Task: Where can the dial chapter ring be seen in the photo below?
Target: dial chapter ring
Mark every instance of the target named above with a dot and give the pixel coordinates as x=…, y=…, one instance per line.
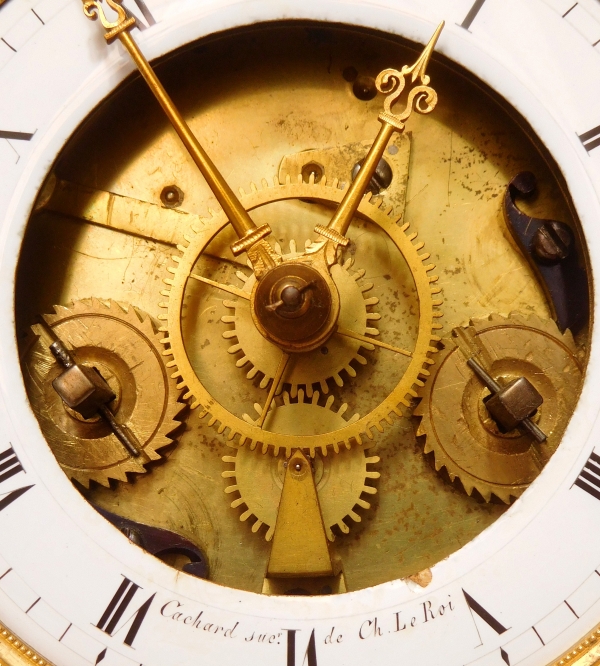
x=246, y=433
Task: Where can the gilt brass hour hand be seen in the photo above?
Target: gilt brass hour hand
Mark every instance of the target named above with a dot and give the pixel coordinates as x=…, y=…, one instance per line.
x=251, y=237
x=421, y=98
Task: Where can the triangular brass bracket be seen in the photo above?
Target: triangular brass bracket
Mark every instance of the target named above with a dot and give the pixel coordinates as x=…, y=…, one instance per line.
x=300, y=547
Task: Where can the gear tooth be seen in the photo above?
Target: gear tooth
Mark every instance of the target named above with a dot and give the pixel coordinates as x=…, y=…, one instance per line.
x=330, y=534
x=245, y=515
x=338, y=380
x=363, y=504
x=355, y=517
x=292, y=246
x=343, y=527
x=242, y=192
x=265, y=183
x=252, y=373
x=370, y=490
x=232, y=489
x=343, y=409
x=276, y=182
x=240, y=363
x=270, y=532
x=324, y=386
x=350, y=370
x=257, y=525
x=294, y=390
x=278, y=249
x=309, y=390
x=328, y=402
x=264, y=382
x=288, y=179
x=237, y=502
x=234, y=349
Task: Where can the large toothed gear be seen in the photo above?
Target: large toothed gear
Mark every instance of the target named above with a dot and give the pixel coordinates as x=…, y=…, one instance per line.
x=342, y=355
x=124, y=346
x=459, y=430
x=341, y=481
x=238, y=431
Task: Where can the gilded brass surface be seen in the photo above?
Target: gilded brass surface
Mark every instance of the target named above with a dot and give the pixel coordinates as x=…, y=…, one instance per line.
x=267, y=94
x=260, y=358
x=458, y=428
x=421, y=98
x=126, y=350
x=300, y=547
x=236, y=213
x=13, y=652
x=341, y=481
x=189, y=363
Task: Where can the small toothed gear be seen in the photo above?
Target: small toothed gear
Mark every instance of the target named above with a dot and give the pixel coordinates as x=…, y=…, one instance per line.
x=459, y=430
x=316, y=367
x=124, y=346
x=238, y=431
x=341, y=480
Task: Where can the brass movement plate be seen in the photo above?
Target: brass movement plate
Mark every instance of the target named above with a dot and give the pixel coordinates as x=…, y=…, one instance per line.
x=260, y=108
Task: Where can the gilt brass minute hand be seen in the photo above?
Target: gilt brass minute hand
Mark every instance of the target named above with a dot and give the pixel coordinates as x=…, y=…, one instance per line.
x=249, y=234
x=421, y=98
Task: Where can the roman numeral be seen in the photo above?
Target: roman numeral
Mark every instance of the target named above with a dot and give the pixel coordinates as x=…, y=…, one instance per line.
x=590, y=139
x=589, y=477
x=116, y=609
x=146, y=13
x=17, y=136
x=486, y=616
x=310, y=657
x=9, y=466
x=470, y=17
x=9, y=136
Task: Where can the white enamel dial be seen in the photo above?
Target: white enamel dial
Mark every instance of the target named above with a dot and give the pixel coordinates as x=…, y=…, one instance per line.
x=77, y=592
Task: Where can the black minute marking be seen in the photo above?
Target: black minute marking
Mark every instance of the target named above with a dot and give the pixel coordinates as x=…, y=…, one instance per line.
x=470, y=17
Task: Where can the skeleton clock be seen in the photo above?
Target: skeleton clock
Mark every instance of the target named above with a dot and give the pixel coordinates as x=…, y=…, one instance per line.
x=299, y=359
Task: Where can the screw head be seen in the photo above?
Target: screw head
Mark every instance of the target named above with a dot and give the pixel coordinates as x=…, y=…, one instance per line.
x=312, y=168
x=171, y=196
x=133, y=535
x=381, y=179
x=364, y=88
x=552, y=242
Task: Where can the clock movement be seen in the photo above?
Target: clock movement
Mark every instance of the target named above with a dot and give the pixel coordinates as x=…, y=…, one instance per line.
x=298, y=360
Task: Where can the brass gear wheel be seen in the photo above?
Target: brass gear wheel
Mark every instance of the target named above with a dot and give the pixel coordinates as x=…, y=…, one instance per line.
x=125, y=348
x=458, y=429
x=341, y=480
x=313, y=367
x=416, y=260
